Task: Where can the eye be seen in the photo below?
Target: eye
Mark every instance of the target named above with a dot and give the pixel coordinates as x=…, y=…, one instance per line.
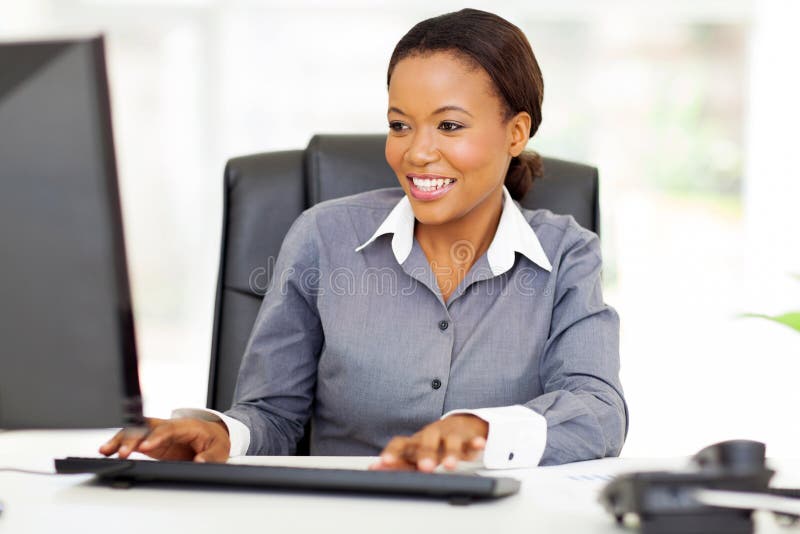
x=450, y=126
x=397, y=126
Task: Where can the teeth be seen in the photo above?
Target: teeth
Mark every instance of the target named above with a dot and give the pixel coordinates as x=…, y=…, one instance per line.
x=425, y=184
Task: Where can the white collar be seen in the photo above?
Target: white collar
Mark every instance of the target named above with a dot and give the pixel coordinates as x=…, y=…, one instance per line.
x=514, y=234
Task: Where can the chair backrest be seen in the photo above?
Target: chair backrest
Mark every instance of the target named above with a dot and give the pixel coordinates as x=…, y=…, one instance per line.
x=265, y=193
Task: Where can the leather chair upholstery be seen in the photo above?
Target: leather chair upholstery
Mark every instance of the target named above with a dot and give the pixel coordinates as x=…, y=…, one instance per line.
x=265, y=193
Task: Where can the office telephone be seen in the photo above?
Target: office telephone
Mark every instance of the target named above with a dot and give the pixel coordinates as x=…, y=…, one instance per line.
x=661, y=502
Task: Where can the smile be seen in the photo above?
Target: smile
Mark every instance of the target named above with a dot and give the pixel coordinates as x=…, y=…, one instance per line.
x=425, y=184
x=428, y=186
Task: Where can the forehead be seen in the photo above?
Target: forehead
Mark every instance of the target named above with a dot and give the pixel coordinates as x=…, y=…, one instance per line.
x=429, y=81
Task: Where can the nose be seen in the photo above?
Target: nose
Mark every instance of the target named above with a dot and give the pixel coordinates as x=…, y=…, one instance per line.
x=422, y=150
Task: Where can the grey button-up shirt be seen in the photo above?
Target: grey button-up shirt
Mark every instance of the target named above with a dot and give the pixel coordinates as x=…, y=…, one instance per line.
x=353, y=332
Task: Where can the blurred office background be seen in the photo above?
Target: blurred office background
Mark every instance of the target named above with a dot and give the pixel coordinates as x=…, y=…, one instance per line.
x=689, y=108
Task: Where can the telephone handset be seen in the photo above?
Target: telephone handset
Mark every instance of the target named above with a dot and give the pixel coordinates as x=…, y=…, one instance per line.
x=661, y=502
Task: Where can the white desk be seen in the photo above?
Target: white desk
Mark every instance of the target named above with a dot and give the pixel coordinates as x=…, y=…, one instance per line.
x=552, y=499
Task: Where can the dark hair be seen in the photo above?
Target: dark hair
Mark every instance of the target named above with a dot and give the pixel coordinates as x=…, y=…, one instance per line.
x=503, y=51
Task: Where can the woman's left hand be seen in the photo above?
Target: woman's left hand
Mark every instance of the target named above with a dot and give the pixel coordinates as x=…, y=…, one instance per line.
x=447, y=441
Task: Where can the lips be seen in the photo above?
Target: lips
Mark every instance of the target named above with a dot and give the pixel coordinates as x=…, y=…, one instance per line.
x=429, y=186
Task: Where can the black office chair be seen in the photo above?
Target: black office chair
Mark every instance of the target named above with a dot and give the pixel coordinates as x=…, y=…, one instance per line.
x=265, y=193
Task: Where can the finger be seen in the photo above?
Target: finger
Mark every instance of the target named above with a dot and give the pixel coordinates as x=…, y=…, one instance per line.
x=188, y=439
x=161, y=436
x=474, y=447
x=169, y=449
x=209, y=440
x=193, y=435
x=394, y=452
x=454, y=450
x=478, y=443
x=428, y=453
x=165, y=447
x=398, y=466
x=131, y=438
x=217, y=451
x=112, y=445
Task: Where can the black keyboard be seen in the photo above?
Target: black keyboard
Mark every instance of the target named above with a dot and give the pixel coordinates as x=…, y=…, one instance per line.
x=458, y=488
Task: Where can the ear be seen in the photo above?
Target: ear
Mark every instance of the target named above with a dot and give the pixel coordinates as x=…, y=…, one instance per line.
x=519, y=128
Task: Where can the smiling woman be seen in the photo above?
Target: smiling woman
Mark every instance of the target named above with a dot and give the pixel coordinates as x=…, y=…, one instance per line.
x=499, y=342
x=496, y=50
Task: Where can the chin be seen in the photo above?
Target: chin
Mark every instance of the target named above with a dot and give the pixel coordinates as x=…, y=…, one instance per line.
x=436, y=212
x=428, y=214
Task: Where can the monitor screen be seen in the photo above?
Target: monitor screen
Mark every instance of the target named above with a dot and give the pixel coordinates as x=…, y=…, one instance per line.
x=67, y=349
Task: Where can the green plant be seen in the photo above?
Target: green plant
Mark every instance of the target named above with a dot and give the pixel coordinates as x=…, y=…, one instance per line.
x=790, y=319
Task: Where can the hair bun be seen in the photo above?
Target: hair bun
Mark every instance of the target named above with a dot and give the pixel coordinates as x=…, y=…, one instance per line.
x=522, y=171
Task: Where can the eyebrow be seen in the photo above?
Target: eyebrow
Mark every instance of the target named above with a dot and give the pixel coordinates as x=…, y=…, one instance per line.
x=436, y=111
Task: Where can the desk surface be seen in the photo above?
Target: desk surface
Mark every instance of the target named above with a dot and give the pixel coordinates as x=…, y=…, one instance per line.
x=552, y=499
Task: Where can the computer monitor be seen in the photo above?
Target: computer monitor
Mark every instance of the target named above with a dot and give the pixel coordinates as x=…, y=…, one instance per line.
x=67, y=346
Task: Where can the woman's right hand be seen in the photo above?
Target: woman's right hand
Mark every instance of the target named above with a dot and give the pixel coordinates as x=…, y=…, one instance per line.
x=173, y=439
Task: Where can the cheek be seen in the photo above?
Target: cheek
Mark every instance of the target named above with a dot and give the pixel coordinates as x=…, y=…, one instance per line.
x=476, y=154
x=394, y=153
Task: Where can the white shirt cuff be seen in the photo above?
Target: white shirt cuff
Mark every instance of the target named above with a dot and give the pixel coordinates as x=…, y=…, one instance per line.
x=516, y=438
x=238, y=432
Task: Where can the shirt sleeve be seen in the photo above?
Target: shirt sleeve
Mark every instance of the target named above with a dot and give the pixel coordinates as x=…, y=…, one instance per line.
x=238, y=432
x=275, y=386
x=583, y=402
x=516, y=437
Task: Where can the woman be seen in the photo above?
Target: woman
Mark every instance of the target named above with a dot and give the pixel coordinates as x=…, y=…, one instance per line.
x=439, y=321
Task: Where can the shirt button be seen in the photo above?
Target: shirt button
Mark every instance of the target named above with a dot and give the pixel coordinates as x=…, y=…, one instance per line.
x=436, y=383
x=443, y=325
